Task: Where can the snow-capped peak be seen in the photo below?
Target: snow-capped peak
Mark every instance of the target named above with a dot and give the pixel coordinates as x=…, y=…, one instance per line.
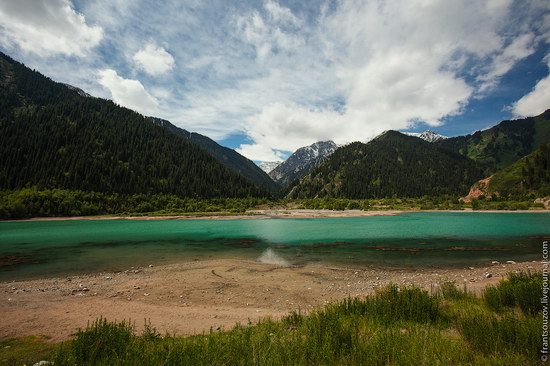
x=428, y=135
x=268, y=166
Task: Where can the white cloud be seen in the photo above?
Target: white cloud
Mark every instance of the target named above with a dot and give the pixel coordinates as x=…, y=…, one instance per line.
x=291, y=75
x=537, y=100
x=127, y=92
x=392, y=64
x=259, y=152
x=521, y=47
x=47, y=27
x=280, y=14
x=272, y=33
x=154, y=60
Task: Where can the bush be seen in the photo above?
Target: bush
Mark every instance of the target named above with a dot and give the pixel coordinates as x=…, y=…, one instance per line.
x=519, y=289
x=392, y=304
x=448, y=290
x=101, y=341
x=491, y=334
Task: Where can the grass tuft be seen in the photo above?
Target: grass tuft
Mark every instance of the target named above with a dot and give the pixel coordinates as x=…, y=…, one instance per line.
x=521, y=289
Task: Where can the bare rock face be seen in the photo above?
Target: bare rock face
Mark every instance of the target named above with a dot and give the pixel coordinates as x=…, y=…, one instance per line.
x=303, y=161
x=479, y=189
x=268, y=166
x=544, y=201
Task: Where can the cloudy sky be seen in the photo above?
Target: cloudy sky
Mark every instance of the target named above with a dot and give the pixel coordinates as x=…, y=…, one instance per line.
x=267, y=77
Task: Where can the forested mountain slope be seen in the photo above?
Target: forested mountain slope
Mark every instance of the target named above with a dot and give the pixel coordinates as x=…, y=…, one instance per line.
x=228, y=157
x=503, y=144
x=392, y=164
x=52, y=137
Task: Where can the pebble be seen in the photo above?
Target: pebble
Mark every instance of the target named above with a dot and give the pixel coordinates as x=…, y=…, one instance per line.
x=488, y=275
x=150, y=266
x=43, y=363
x=510, y=262
x=495, y=262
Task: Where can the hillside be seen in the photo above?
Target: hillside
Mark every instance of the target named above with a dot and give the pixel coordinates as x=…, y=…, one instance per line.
x=228, y=157
x=392, y=164
x=503, y=144
x=302, y=161
x=52, y=137
x=530, y=174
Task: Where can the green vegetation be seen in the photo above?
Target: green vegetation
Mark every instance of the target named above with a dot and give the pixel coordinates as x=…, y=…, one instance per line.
x=518, y=290
x=529, y=174
x=31, y=202
x=396, y=326
x=54, y=138
x=392, y=165
x=499, y=146
x=26, y=350
x=228, y=157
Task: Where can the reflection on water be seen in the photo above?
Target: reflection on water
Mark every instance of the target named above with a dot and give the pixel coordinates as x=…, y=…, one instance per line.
x=270, y=257
x=56, y=248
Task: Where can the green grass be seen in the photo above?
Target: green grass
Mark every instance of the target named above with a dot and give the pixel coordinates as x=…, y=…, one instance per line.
x=393, y=326
x=519, y=289
x=26, y=350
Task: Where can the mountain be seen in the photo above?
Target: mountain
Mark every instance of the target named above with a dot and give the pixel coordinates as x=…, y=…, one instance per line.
x=303, y=161
x=393, y=164
x=503, y=144
x=428, y=135
x=268, y=166
x=53, y=137
x=79, y=91
x=228, y=157
x=529, y=175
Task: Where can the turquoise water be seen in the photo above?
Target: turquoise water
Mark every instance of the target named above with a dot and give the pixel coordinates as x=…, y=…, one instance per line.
x=38, y=249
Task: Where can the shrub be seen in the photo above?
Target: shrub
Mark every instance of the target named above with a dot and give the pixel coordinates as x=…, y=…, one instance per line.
x=101, y=341
x=519, y=289
x=491, y=334
x=392, y=304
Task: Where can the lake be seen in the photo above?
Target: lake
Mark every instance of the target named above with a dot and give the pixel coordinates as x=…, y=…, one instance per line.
x=56, y=248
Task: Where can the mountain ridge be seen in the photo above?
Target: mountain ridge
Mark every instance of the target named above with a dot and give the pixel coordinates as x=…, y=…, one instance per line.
x=53, y=137
x=392, y=164
x=228, y=157
x=302, y=161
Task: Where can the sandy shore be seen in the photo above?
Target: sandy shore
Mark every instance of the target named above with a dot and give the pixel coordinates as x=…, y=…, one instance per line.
x=271, y=214
x=190, y=298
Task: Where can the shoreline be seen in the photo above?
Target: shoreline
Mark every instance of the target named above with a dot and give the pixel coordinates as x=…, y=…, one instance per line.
x=193, y=297
x=265, y=214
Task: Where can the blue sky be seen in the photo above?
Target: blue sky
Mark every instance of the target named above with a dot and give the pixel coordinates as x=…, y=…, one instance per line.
x=267, y=77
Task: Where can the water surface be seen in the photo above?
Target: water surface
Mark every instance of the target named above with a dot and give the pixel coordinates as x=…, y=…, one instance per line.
x=52, y=248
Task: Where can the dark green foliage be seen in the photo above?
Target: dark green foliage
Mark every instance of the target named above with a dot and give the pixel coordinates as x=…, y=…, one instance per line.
x=528, y=175
x=392, y=165
x=490, y=334
x=449, y=291
x=503, y=144
x=390, y=305
x=58, y=202
x=519, y=289
x=228, y=157
x=54, y=138
x=101, y=341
